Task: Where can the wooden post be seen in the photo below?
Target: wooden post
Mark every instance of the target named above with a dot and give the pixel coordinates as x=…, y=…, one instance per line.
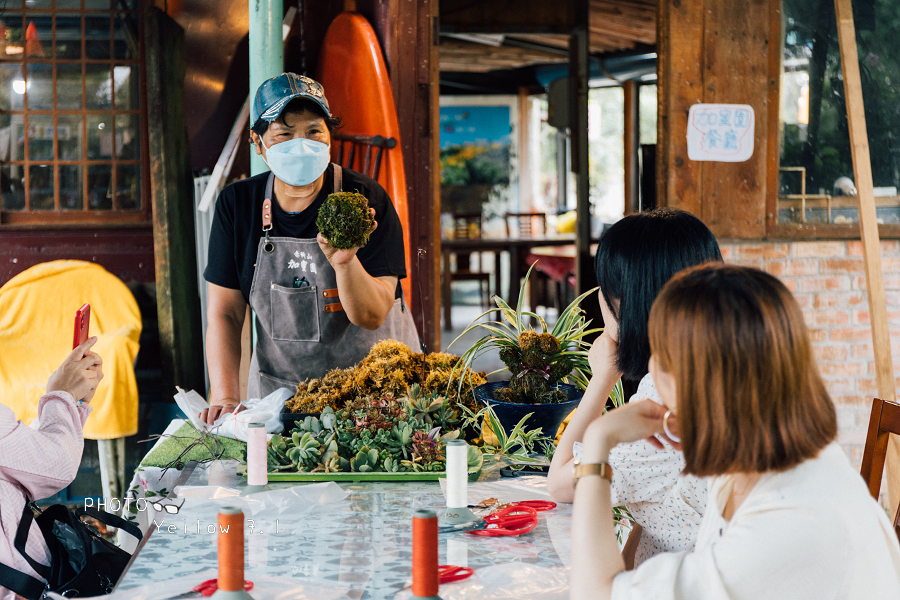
x=413, y=64
x=578, y=131
x=632, y=143
x=526, y=195
x=868, y=227
x=172, y=193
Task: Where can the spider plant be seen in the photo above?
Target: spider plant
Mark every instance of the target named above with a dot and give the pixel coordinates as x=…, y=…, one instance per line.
x=536, y=358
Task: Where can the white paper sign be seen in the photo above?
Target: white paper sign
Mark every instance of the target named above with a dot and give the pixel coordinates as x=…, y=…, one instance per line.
x=720, y=132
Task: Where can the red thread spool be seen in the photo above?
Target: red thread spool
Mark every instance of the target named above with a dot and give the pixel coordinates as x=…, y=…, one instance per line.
x=425, y=554
x=231, y=549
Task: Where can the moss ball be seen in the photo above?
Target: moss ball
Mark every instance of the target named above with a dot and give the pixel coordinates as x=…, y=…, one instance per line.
x=345, y=221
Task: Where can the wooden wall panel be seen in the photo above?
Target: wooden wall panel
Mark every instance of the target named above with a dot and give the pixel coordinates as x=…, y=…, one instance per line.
x=124, y=251
x=714, y=51
x=735, y=71
x=680, y=86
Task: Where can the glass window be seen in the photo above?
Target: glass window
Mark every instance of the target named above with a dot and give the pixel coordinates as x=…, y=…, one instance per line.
x=68, y=36
x=816, y=170
x=71, y=126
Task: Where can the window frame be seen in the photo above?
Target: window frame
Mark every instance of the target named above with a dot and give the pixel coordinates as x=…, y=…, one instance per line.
x=84, y=215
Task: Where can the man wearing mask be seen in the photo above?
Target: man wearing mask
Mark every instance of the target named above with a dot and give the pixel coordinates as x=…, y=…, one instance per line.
x=317, y=308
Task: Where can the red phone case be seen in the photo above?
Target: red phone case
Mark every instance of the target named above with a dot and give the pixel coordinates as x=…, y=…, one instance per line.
x=82, y=324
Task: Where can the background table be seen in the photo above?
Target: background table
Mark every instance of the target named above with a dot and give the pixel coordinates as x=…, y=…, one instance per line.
x=517, y=247
x=362, y=543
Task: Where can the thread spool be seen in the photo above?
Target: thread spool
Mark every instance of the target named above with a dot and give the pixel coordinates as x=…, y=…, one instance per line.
x=231, y=555
x=257, y=467
x=425, y=555
x=457, y=511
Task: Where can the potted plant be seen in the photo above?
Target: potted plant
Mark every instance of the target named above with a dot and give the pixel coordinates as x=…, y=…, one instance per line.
x=549, y=367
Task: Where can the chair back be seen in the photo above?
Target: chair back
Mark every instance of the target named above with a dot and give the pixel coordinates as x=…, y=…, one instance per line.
x=525, y=224
x=362, y=153
x=884, y=421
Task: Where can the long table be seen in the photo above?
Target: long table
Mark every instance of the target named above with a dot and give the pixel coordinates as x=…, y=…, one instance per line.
x=518, y=248
x=358, y=547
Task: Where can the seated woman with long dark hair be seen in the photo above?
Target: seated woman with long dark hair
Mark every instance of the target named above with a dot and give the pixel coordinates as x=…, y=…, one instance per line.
x=742, y=398
x=635, y=258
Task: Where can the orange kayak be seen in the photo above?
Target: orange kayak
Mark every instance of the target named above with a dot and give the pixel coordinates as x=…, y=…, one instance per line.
x=352, y=71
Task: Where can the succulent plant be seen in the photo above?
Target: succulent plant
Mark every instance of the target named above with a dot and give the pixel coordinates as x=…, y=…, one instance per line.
x=365, y=461
x=328, y=418
x=305, y=451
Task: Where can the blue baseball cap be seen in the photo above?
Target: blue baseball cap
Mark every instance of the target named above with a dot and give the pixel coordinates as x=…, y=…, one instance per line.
x=275, y=93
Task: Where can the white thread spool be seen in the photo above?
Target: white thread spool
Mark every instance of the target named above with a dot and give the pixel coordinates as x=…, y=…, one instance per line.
x=257, y=468
x=457, y=474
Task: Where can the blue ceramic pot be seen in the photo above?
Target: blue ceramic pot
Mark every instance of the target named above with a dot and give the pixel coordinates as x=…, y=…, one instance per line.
x=546, y=416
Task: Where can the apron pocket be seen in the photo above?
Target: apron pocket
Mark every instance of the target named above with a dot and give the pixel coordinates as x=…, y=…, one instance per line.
x=295, y=314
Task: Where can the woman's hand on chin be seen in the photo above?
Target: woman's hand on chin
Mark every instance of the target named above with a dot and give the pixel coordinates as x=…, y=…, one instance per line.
x=638, y=420
x=602, y=355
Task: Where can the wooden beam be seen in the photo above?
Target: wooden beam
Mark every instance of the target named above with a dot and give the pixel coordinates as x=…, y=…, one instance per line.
x=520, y=16
x=868, y=226
x=172, y=194
x=526, y=197
x=413, y=65
x=578, y=131
x=632, y=142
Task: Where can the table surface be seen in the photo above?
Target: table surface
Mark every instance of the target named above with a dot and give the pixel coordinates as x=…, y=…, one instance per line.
x=361, y=543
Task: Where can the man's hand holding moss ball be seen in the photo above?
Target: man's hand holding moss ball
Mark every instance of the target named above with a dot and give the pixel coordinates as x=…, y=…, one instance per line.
x=345, y=223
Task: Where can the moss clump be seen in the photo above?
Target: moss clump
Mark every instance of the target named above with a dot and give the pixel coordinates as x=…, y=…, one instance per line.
x=389, y=369
x=345, y=221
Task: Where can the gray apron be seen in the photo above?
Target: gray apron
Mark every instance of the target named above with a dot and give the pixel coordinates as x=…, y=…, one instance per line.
x=302, y=329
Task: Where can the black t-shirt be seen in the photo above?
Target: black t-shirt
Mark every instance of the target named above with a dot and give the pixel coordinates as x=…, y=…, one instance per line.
x=237, y=229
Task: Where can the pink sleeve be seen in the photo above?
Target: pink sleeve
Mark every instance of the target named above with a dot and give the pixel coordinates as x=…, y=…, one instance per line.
x=43, y=458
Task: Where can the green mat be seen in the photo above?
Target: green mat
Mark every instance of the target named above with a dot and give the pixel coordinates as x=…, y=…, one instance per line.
x=170, y=448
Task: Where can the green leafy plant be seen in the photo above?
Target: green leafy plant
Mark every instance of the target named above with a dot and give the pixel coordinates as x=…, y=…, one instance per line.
x=345, y=221
x=537, y=360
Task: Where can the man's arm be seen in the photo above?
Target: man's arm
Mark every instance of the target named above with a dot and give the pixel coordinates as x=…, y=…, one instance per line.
x=367, y=300
x=225, y=315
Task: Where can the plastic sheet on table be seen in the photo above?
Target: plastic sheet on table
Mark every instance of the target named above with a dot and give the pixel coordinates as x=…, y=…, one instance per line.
x=299, y=499
x=508, y=581
x=511, y=489
x=265, y=587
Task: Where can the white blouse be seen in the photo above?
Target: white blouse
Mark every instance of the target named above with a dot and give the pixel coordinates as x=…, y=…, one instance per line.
x=811, y=532
x=669, y=506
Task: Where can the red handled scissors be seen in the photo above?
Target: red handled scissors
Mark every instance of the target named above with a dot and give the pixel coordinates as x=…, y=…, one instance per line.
x=206, y=589
x=538, y=505
x=451, y=573
x=512, y=520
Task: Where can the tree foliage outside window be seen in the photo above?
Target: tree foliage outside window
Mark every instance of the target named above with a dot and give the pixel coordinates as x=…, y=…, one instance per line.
x=814, y=133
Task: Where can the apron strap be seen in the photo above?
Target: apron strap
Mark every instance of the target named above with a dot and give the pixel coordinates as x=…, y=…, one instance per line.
x=267, y=203
x=338, y=178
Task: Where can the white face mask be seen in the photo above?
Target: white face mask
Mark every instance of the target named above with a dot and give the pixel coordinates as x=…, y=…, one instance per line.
x=299, y=161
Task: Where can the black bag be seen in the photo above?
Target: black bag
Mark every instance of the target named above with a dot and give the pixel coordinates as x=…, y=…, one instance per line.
x=82, y=562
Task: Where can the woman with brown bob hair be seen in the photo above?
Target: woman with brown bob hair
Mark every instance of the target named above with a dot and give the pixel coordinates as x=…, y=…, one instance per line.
x=787, y=517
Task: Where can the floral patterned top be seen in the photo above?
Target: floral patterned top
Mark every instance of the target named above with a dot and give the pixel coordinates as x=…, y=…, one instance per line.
x=648, y=481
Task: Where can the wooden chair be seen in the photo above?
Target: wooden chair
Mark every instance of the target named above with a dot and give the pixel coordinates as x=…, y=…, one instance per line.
x=361, y=153
x=525, y=224
x=469, y=226
x=631, y=546
x=539, y=285
x=884, y=420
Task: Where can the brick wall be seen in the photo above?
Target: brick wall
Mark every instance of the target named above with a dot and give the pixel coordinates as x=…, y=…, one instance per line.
x=829, y=282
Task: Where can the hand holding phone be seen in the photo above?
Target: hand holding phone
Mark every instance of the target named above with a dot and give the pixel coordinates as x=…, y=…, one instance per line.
x=82, y=324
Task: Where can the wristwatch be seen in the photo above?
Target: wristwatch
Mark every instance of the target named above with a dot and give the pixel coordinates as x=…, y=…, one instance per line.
x=580, y=470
